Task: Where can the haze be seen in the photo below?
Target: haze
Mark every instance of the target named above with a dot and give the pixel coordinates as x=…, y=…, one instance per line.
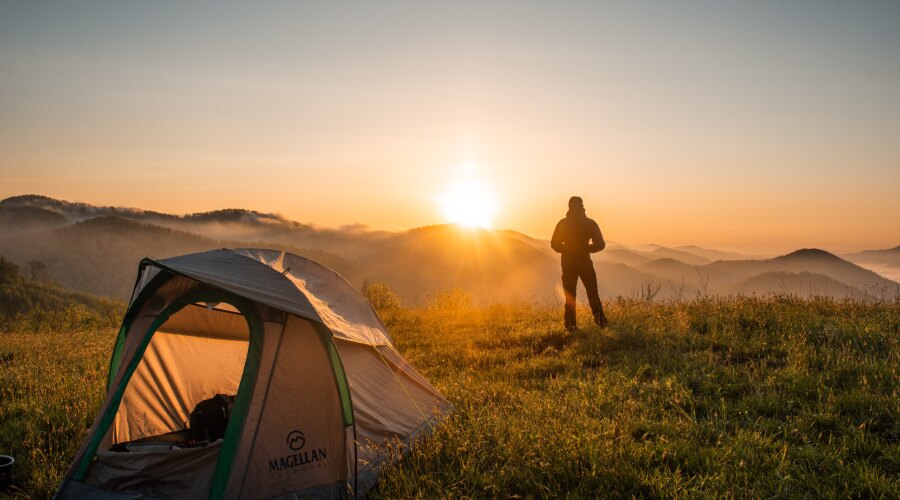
x=764, y=127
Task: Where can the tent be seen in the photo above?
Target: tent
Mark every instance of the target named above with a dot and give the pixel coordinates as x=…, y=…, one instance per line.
x=320, y=395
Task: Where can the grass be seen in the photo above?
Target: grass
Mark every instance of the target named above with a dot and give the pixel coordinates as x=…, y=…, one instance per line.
x=724, y=397
x=51, y=386
x=739, y=397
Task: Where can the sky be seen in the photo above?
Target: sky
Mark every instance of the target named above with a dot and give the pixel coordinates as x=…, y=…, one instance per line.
x=762, y=126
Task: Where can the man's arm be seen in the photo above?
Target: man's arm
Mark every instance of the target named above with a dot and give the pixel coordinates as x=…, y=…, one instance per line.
x=597, y=242
x=556, y=242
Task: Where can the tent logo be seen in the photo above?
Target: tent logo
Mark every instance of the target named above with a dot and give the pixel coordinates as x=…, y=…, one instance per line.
x=298, y=460
x=296, y=440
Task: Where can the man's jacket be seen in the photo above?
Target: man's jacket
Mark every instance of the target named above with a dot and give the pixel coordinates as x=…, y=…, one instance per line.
x=576, y=237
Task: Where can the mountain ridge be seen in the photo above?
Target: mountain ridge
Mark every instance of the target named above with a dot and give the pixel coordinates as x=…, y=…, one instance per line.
x=493, y=265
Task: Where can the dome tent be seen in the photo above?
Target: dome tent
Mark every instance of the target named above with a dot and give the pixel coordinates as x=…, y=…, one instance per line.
x=318, y=389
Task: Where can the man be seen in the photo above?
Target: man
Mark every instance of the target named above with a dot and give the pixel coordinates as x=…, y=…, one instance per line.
x=576, y=237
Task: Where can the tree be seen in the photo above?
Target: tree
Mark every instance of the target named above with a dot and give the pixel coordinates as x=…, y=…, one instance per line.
x=380, y=296
x=9, y=272
x=38, y=269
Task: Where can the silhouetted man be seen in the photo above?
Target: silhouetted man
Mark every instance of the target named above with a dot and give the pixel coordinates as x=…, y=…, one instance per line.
x=576, y=237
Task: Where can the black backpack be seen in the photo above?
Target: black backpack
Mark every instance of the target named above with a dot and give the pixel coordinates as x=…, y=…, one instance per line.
x=210, y=418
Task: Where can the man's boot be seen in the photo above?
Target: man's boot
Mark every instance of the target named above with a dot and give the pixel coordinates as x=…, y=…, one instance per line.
x=600, y=319
x=570, y=320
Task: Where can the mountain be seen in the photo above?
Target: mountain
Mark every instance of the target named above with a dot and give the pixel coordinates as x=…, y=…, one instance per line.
x=492, y=265
x=495, y=266
x=97, y=249
x=668, y=268
x=637, y=255
x=616, y=279
x=890, y=256
x=686, y=257
x=19, y=294
x=100, y=255
x=674, y=274
x=233, y=224
x=822, y=262
x=541, y=245
x=768, y=275
x=710, y=254
x=623, y=255
x=805, y=260
x=800, y=284
x=74, y=211
x=26, y=219
x=677, y=275
x=884, y=262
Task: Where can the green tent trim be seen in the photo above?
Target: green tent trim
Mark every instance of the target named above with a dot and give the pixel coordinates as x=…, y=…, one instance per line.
x=242, y=400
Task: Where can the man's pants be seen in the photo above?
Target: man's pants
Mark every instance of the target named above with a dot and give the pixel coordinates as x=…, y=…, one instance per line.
x=570, y=275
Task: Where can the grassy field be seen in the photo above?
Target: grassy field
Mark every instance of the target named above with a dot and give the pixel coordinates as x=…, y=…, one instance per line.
x=740, y=397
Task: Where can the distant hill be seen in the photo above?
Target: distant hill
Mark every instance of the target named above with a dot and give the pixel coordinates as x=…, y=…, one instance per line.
x=884, y=262
x=674, y=273
x=19, y=294
x=686, y=257
x=75, y=211
x=800, y=284
x=491, y=265
x=890, y=256
x=100, y=255
x=97, y=249
x=28, y=219
x=623, y=255
x=690, y=254
x=710, y=253
x=668, y=268
x=806, y=260
x=766, y=275
x=616, y=279
x=539, y=244
x=231, y=224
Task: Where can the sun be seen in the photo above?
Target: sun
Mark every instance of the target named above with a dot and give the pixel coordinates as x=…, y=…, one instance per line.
x=469, y=203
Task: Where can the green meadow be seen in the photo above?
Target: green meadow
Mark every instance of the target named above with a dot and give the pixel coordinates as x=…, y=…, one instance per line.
x=727, y=397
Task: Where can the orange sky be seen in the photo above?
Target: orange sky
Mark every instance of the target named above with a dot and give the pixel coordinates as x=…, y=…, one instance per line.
x=763, y=128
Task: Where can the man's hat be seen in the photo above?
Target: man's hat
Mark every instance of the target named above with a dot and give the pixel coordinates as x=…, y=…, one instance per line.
x=576, y=201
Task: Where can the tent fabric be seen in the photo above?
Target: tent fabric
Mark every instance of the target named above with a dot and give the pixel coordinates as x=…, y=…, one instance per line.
x=392, y=404
x=144, y=279
x=147, y=313
x=242, y=276
x=75, y=490
x=171, y=473
x=301, y=373
x=144, y=317
x=177, y=372
x=343, y=309
x=210, y=321
x=308, y=338
x=82, y=491
x=288, y=283
x=387, y=400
